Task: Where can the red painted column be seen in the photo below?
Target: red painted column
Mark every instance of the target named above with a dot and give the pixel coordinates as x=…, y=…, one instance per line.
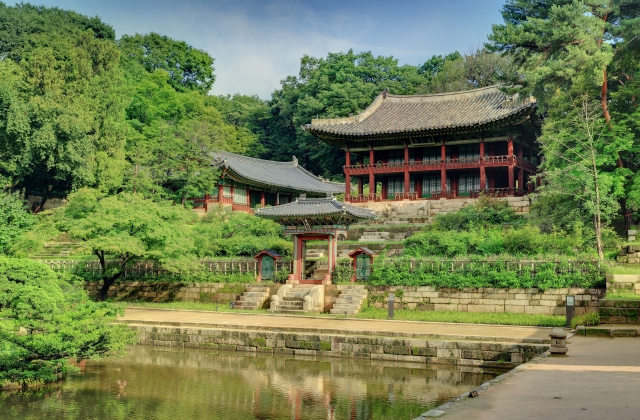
x=263, y=201
x=443, y=170
x=347, y=176
x=511, y=164
x=483, y=175
x=372, y=179
x=220, y=194
x=407, y=181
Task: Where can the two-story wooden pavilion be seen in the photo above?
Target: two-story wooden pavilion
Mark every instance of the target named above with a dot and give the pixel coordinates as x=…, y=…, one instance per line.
x=246, y=183
x=437, y=146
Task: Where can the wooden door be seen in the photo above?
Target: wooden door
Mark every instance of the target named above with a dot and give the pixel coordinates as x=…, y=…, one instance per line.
x=363, y=267
x=267, y=268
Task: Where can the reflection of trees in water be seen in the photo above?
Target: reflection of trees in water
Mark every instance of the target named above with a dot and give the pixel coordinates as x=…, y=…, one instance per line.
x=213, y=385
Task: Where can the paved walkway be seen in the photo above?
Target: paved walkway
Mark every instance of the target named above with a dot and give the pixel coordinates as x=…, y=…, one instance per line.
x=599, y=379
x=335, y=325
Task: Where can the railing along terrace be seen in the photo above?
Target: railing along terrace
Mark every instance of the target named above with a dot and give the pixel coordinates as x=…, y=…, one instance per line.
x=525, y=164
x=362, y=198
x=442, y=194
x=149, y=268
x=405, y=195
x=497, y=192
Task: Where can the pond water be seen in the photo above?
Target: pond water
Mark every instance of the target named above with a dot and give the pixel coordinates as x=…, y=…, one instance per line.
x=207, y=384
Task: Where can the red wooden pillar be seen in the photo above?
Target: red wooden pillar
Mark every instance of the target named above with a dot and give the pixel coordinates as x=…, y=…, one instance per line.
x=372, y=179
x=511, y=164
x=220, y=194
x=385, y=189
x=347, y=175
x=405, y=167
x=443, y=170
x=360, y=185
x=263, y=201
x=483, y=175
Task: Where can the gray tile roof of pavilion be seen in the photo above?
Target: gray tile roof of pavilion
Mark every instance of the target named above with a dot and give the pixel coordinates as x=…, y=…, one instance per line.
x=313, y=208
x=391, y=116
x=284, y=175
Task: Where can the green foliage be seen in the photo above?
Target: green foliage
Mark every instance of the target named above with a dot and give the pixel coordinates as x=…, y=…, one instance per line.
x=343, y=272
x=126, y=228
x=14, y=219
x=589, y=319
x=483, y=273
x=188, y=67
x=47, y=320
x=224, y=233
x=486, y=212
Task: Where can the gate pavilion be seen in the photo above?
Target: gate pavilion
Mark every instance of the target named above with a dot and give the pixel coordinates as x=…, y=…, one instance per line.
x=436, y=146
x=313, y=219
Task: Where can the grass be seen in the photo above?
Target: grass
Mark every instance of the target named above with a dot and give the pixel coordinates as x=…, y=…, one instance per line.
x=497, y=318
x=622, y=295
x=400, y=315
x=192, y=306
x=624, y=269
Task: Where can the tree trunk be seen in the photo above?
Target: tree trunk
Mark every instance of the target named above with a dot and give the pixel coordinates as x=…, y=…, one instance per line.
x=45, y=197
x=106, y=284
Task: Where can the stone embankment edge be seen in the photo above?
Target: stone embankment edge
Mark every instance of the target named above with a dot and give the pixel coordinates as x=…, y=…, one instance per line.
x=398, y=349
x=442, y=409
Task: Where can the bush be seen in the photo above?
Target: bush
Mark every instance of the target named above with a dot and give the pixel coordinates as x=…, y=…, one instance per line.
x=589, y=319
x=473, y=273
x=343, y=272
x=47, y=320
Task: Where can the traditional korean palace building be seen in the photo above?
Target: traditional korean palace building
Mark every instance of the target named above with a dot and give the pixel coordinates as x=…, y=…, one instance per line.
x=246, y=183
x=436, y=146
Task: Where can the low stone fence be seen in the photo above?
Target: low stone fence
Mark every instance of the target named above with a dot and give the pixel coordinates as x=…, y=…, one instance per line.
x=523, y=301
x=415, y=350
x=624, y=283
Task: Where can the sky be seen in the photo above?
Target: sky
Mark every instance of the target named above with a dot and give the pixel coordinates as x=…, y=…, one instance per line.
x=257, y=43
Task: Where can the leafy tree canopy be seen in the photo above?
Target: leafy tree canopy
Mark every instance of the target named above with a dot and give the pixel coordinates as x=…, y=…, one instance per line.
x=46, y=320
x=189, y=68
x=14, y=219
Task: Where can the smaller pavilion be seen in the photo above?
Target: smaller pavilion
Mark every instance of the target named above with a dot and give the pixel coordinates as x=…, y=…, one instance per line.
x=313, y=219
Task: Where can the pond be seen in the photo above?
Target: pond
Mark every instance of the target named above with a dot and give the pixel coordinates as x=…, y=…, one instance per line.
x=207, y=384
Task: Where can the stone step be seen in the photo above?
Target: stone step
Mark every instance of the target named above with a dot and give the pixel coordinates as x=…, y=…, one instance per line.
x=289, y=311
x=255, y=294
x=253, y=298
x=281, y=307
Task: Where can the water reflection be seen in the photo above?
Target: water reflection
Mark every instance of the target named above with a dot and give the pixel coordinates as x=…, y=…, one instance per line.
x=161, y=384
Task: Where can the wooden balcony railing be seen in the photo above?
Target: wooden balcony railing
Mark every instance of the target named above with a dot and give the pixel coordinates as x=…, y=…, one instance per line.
x=526, y=165
x=497, y=192
x=405, y=196
x=362, y=198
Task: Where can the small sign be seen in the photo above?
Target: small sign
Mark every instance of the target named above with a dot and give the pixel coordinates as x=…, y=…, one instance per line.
x=473, y=394
x=571, y=301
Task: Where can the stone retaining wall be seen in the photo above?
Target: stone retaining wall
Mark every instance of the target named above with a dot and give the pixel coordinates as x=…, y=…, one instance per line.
x=620, y=312
x=453, y=352
x=524, y=301
x=624, y=283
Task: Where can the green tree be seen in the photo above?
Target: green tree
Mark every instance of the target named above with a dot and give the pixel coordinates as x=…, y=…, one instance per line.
x=47, y=320
x=62, y=120
x=14, y=219
x=123, y=229
x=580, y=153
x=189, y=68
x=576, y=47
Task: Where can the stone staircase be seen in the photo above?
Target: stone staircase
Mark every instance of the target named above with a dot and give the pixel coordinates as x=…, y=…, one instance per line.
x=292, y=300
x=350, y=299
x=254, y=297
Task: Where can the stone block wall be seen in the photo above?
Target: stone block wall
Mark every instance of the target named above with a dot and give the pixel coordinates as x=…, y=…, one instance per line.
x=620, y=312
x=221, y=293
x=455, y=352
x=624, y=282
x=524, y=301
x=630, y=254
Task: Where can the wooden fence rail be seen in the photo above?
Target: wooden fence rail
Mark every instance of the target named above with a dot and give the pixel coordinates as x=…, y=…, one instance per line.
x=149, y=269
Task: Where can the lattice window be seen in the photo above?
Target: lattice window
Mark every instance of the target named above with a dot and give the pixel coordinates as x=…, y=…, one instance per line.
x=469, y=151
x=240, y=196
x=468, y=181
x=226, y=191
x=395, y=185
x=431, y=154
x=430, y=184
x=395, y=156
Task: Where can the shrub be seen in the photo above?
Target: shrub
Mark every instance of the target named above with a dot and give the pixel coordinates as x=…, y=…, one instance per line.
x=343, y=272
x=588, y=320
